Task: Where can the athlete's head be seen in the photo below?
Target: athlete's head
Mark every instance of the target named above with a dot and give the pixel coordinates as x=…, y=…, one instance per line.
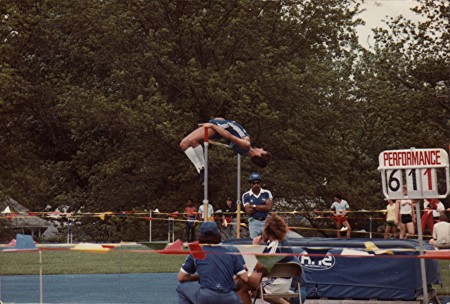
x=261, y=158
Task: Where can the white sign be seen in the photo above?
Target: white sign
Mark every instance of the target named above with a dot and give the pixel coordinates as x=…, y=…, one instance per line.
x=413, y=159
x=414, y=170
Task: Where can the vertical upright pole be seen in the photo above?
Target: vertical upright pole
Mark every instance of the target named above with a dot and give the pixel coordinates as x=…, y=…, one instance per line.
x=168, y=229
x=68, y=230
x=370, y=227
x=422, y=261
x=41, y=289
x=173, y=229
x=205, y=182
x=238, y=198
x=150, y=227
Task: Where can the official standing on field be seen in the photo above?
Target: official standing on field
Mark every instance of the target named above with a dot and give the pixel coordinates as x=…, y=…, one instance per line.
x=257, y=203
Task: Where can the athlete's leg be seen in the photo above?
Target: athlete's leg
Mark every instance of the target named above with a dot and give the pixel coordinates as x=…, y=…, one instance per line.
x=394, y=231
x=191, y=146
x=402, y=230
x=188, y=292
x=349, y=229
x=386, y=231
x=244, y=288
x=200, y=154
x=338, y=228
x=410, y=228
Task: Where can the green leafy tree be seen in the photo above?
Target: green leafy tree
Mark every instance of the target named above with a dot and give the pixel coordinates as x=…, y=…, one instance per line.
x=95, y=97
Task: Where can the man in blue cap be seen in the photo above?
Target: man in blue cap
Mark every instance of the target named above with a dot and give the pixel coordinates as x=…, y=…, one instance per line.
x=215, y=274
x=257, y=203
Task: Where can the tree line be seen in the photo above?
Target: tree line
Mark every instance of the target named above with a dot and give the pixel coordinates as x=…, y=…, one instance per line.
x=96, y=95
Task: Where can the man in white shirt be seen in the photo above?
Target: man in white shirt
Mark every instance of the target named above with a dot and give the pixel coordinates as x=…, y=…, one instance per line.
x=201, y=211
x=441, y=233
x=339, y=208
x=436, y=205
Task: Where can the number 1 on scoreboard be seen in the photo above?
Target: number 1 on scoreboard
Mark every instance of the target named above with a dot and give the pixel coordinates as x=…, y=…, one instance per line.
x=429, y=183
x=413, y=183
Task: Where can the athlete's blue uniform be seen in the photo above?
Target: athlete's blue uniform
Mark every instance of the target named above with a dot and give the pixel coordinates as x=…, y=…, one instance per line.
x=235, y=129
x=216, y=271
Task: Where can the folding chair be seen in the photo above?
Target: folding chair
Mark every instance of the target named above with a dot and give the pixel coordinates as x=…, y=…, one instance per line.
x=282, y=270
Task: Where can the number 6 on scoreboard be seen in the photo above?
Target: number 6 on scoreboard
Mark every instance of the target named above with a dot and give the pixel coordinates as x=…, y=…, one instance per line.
x=395, y=183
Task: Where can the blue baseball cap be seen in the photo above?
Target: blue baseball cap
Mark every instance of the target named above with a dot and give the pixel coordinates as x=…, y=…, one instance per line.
x=209, y=226
x=254, y=176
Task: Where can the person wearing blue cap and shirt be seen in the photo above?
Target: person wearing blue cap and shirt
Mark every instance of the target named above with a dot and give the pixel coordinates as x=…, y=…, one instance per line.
x=215, y=274
x=257, y=203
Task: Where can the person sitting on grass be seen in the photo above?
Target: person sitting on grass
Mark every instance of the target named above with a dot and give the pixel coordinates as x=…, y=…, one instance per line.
x=215, y=274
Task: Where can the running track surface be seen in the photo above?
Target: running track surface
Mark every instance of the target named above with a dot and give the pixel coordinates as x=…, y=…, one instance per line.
x=146, y=288
x=149, y=288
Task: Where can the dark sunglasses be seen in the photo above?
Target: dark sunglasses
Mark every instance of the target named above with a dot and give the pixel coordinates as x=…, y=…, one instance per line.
x=256, y=182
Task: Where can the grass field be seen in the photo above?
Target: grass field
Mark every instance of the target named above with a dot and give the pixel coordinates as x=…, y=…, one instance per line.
x=78, y=262
x=117, y=261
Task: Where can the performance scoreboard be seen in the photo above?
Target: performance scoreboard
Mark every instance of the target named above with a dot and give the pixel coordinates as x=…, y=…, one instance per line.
x=423, y=172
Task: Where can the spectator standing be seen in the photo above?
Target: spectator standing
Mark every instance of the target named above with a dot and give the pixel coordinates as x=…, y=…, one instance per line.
x=339, y=208
x=391, y=219
x=433, y=208
x=229, y=218
x=436, y=205
x=441, y=233
x=257, y=203
x=407, y=218
x=201, y=212
x=190, y=214
x=215, y=274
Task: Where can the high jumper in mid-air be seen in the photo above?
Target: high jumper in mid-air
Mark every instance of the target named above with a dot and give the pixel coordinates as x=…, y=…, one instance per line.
x=229, y=130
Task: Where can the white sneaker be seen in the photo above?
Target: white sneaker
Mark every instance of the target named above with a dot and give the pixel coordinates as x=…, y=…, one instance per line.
x=344, y=229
